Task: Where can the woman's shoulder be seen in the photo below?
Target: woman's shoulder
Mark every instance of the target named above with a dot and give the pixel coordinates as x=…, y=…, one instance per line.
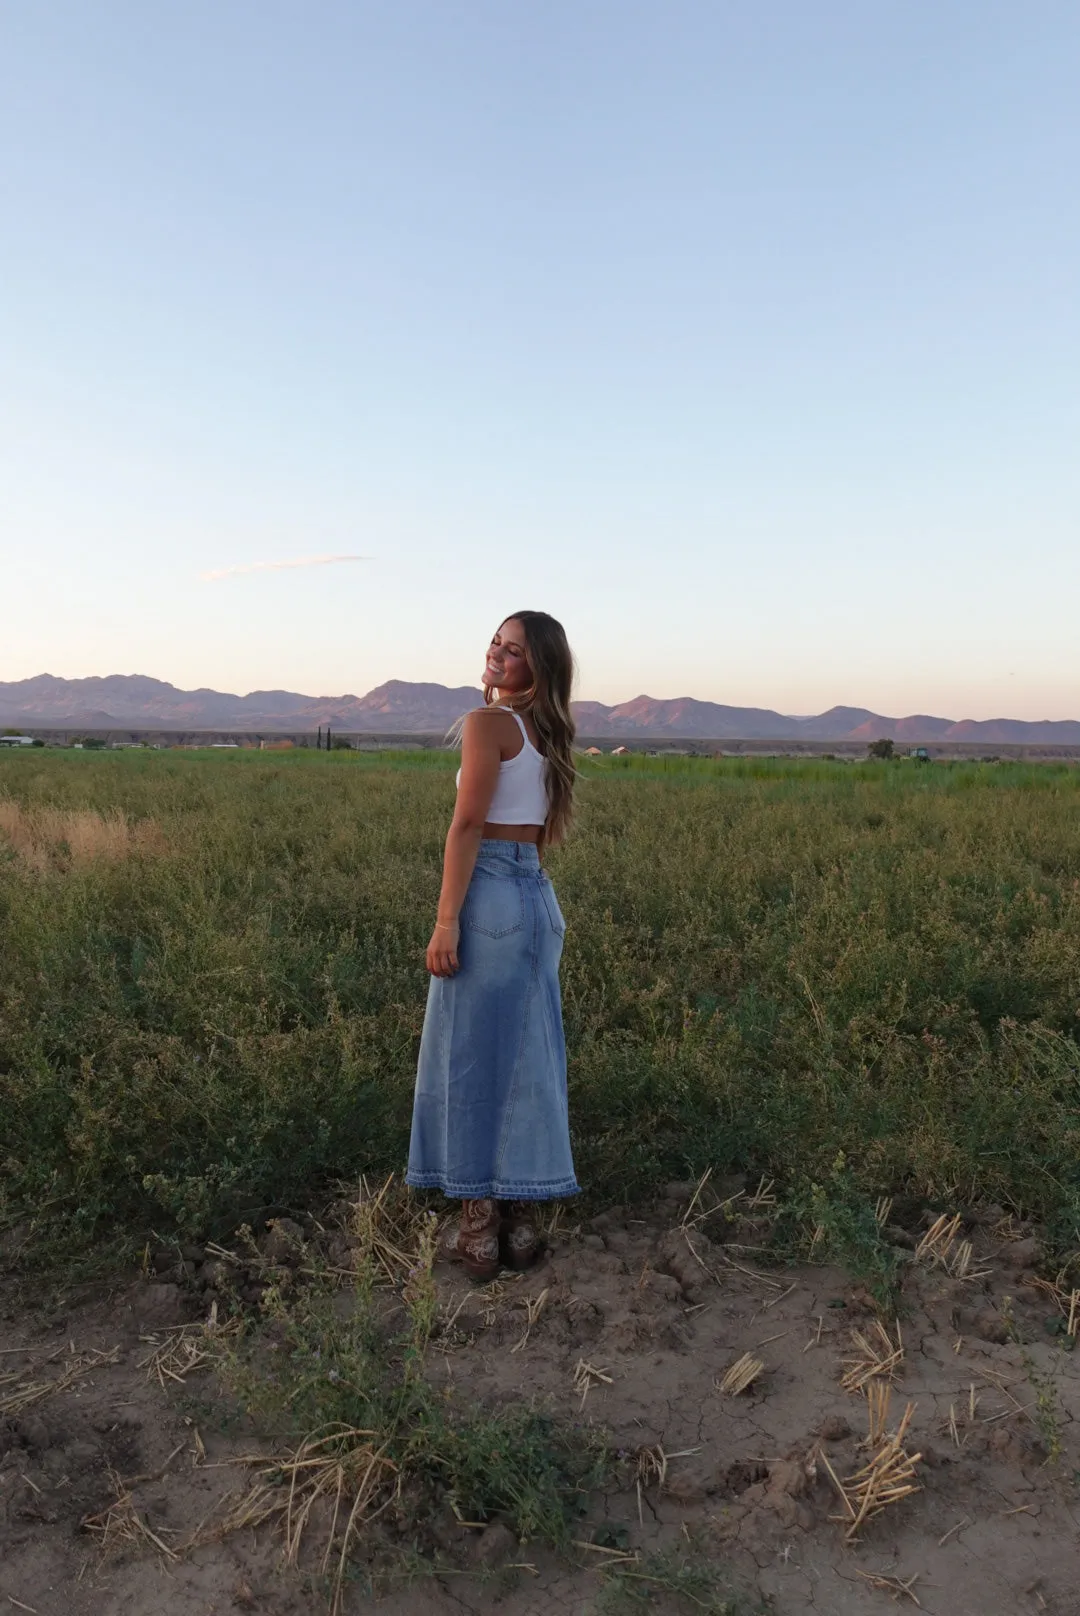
x=493, y=714
x=488, y=721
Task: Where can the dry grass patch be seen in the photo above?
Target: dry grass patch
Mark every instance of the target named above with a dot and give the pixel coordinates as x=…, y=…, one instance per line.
x=121, y=1525
x=59, y=838
x=175, y=1354
x=331, y=1488
x=19, y=1392
x=1065, y=1299
x=390, y=1228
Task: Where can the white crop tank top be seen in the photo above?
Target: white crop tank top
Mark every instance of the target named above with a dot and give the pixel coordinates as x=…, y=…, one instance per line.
x=521, y=796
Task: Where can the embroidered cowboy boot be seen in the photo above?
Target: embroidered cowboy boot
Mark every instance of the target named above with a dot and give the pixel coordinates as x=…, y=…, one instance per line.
x=474, y=1240
x=519, y=1239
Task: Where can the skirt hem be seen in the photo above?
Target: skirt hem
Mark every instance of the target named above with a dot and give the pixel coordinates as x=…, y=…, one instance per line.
x=458, y=1190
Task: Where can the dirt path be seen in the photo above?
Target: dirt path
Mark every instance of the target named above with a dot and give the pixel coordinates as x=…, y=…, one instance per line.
x=994, y=1528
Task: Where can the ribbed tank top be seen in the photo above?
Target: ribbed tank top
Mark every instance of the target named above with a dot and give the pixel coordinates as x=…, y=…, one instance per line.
x=521, y=796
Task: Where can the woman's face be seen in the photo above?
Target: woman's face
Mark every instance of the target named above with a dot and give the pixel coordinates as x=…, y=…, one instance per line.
x=506, y=667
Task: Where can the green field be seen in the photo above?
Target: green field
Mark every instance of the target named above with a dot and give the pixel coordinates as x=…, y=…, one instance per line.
x=212, y=983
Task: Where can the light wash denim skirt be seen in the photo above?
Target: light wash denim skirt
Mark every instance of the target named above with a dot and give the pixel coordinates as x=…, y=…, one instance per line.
x=490, y=1114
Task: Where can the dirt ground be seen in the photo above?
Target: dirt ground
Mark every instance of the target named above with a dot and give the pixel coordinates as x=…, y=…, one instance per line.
x=631, y=1323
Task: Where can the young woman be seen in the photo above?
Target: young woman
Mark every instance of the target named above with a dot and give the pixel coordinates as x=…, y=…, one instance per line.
x=490, y=1122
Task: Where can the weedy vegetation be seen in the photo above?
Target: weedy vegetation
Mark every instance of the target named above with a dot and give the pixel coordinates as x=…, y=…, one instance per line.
x=683, y=1579
x=861, y=979
x=362, y=1462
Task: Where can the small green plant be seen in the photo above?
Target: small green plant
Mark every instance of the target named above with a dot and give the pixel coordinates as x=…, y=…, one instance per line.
x=687, y=1578
x=832, y=1221
x=1046, y=1413
x=419, y=1294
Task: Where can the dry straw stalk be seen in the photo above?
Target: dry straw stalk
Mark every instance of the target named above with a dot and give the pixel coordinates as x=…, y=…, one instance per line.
x=534, y=1306
x=343, y=1470
x=741, y=1375
x=121, y=1524
x=876, y=1357
x=183, y=1351
x=942, y=1247
x=886, y=1478
x=586, y=1376
x=890, y=1585
x=937, y=1242
x=18, y=1394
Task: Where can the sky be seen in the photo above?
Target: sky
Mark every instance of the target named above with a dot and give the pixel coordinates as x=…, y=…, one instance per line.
x=743, y=337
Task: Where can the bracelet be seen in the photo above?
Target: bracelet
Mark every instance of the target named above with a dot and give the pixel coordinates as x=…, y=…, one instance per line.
x=445, y=925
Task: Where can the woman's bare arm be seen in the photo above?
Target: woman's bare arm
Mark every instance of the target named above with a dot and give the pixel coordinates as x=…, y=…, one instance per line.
x=480, y=759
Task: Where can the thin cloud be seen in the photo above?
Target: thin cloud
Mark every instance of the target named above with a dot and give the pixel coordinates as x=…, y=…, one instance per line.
x=277, y=566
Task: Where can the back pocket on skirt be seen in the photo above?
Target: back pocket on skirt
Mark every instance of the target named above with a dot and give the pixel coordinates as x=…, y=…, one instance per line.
x=551, y=904
x=493, y=905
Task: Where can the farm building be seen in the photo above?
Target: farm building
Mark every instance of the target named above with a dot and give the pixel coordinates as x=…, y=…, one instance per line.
x=592, y=751
x=621, y=751
x=16, y=740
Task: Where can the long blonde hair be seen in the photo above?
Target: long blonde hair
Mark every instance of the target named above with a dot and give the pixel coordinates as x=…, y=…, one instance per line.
x=551, y=663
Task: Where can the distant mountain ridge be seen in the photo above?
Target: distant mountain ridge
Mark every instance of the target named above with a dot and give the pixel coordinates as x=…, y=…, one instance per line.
x=135, y=701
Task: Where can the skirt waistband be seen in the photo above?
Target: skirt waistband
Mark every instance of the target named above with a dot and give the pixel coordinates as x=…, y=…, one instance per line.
x=518, y=858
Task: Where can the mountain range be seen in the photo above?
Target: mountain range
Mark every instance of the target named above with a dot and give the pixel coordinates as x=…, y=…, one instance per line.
x=134, y=701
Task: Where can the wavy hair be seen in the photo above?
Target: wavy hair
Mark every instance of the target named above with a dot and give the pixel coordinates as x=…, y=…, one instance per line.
x=551, y=663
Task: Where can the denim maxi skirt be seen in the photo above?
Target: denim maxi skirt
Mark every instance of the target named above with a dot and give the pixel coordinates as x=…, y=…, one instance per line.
x=490, y=1113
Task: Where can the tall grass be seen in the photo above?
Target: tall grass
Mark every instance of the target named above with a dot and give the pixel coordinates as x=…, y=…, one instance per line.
x=210, y=1004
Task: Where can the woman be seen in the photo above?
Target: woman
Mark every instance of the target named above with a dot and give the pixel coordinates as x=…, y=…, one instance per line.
x=490, y=1123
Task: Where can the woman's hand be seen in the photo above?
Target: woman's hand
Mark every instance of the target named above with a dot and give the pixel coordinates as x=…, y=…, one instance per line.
x=441, y=958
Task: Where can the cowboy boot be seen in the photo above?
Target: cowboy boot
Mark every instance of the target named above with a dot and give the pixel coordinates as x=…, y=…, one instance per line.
x=519, y=1239
x=474, y=1240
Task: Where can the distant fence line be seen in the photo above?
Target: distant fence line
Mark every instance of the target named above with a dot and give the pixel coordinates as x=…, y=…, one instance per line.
x=408, y=740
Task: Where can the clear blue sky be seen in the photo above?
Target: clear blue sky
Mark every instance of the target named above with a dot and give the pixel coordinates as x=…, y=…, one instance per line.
x=743, y=337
